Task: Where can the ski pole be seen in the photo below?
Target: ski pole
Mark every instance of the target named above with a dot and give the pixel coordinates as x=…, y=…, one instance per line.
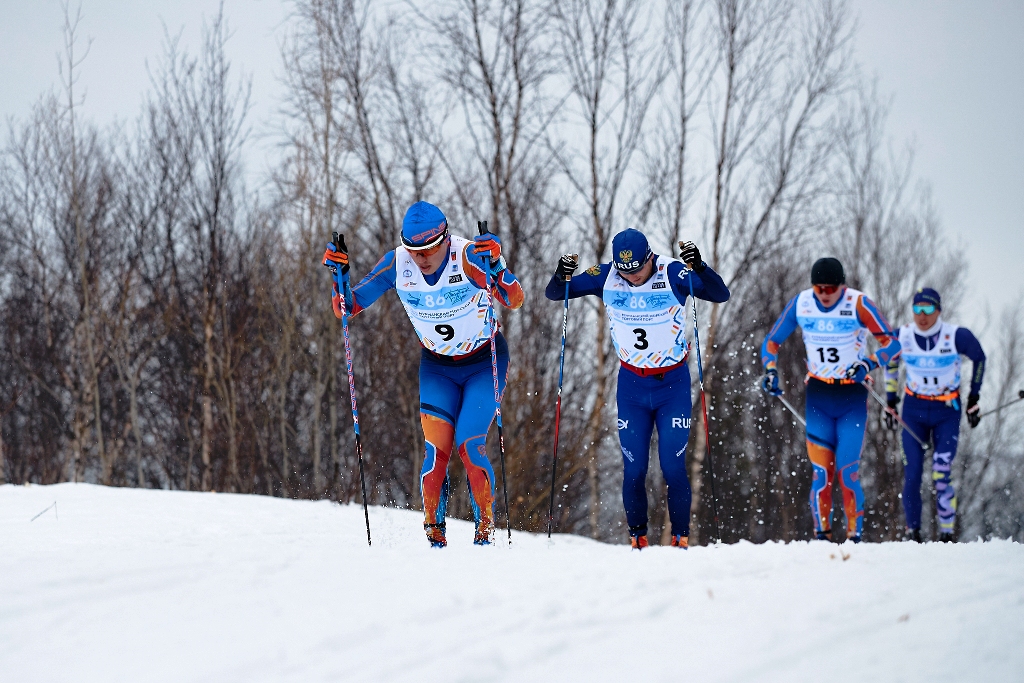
x=1020, y=397
x=704, y=407
x=798, y=416
x=885, y=406
x=482, y=228
x=558, y=402
x=346, y=294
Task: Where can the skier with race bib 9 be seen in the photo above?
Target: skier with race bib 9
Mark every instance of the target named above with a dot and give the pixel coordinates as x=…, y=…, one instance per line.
x=644, y=295
x=930, y=353
x=835, y=321
x=441, y=280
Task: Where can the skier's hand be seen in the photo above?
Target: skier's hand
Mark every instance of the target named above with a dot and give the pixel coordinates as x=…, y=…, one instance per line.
x=770, y=383
x=973, y=410
x=690, y=255
x=336, y=257
x=488, y=243
x=567, y=265
x=858, y=372
x=891, y=423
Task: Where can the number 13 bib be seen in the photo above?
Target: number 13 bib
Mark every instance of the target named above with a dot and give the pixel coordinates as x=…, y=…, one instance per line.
x=835, y=339
x=450, y=316
x=647, y=322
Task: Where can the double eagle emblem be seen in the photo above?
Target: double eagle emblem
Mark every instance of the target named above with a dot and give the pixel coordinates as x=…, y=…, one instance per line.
x=626, y=259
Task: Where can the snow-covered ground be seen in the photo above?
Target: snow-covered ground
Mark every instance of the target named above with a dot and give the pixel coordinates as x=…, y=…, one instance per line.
x=133, y=585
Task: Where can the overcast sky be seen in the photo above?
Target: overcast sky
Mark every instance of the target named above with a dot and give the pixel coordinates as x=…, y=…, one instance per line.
x=955, y=71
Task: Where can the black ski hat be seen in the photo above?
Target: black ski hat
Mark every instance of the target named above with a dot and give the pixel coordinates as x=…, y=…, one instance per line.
x=827, y=271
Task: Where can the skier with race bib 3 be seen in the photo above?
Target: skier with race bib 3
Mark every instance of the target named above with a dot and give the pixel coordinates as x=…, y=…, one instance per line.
x=644, y=295
x=930, y=351
x=835, y=321
x=441, y=280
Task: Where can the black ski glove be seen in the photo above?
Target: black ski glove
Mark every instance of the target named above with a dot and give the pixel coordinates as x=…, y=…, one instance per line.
x=690, y=255
x=567, y=265
x=891, y=423
x=973, y=410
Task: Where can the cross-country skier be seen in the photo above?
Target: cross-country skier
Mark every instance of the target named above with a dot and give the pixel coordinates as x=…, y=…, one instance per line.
x=644, y=296
x=441, y=281
x=835, y=321
x=930, y=352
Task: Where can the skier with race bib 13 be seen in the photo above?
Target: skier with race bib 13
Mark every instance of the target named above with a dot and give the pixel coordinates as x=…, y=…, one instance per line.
x=930, y=351
x=644, y=296
x=835, y=321
x=441, y=280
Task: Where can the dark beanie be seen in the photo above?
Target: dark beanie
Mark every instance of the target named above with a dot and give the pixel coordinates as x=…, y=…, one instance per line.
x=827, y=271
x=927, y=295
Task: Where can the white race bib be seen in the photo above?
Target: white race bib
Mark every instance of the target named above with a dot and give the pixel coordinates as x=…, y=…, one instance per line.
x=451, y=316
x=931, y=373
x=834, y=340
x=647, y=323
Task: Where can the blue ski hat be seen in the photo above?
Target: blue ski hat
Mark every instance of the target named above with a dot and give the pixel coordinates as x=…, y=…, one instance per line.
x=927, y=295
x=423, y=227
x=630, y=251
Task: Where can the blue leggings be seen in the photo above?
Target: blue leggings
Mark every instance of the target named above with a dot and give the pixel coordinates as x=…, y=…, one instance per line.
x=643, y=403
x=456, y=409
x=941, y=423
x=836, y=417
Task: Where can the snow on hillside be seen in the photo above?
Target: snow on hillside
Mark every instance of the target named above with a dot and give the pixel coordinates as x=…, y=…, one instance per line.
x=139, y=585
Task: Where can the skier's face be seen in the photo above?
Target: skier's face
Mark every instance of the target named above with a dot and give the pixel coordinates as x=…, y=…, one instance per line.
x=641, y=276
x=925, y=320
x=429, y=260
x=828, y=295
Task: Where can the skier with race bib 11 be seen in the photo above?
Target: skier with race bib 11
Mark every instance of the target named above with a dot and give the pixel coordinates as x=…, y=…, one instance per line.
x=441, y=280
x=644, y=297
x=930, y=351
x=835, y=321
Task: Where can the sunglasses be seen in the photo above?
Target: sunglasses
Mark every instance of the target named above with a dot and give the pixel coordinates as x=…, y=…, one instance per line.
x=927, y=309
x=431, y=250
x=826, y=289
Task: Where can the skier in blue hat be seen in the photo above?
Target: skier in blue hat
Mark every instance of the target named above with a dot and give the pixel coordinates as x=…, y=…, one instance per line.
x=645, y=296
x=931, y=350
x=441, y=280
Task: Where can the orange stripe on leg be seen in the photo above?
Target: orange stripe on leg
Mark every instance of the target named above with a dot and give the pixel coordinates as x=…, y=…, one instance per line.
x=438, y=435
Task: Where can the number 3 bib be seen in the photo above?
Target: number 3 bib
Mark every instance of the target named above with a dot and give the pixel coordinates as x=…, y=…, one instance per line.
x=647, y=322
x=835, y=339
x=450, y=316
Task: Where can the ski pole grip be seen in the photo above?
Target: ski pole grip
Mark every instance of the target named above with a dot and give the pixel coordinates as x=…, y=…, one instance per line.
x=334, y=239
x=341, y=243
x=576, y=258
x=481, y=227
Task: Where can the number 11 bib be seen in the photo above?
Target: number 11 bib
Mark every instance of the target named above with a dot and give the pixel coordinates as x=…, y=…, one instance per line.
x=647, y=322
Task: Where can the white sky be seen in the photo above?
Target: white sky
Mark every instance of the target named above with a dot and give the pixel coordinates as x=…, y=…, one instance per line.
x=955, y=69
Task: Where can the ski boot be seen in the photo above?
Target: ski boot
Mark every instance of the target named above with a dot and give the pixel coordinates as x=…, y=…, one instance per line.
x=679, y=541
x=853, y=539
x=484, y=533
x=824, y=535
x=435, y=534
x=913, y=535
x=946, y=537
x=638, y=537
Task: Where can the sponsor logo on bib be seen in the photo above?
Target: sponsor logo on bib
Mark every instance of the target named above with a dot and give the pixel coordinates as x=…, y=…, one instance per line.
x=455, y=278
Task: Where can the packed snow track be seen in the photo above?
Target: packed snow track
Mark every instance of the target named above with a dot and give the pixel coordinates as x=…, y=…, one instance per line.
x=140, y=585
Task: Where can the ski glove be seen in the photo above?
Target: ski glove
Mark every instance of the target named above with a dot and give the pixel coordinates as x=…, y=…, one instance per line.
x=690, y=255
x=490, y=244
x=858, y=372
x=891, y=423
x=973, y=410
x=336, y=257
x=770, y=383
x=567, y=265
